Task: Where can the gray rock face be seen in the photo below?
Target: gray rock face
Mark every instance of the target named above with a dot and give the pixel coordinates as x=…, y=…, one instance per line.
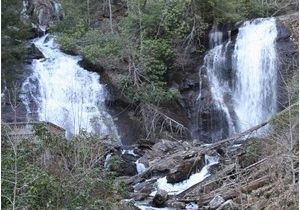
x=160, y=198
x=35, y=53
x=287, y=50
x=216, y=202
x=42, y=13
x=210, y=122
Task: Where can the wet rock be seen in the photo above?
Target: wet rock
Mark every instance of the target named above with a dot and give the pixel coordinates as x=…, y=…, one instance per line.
x=129, y=157
x=144, y=187
x=164, y=146
x=184, y=170
x=160, y=198
x=175, y=159
x=123, y=167
x=216, y=202
x=139, y=196
x=35, y=53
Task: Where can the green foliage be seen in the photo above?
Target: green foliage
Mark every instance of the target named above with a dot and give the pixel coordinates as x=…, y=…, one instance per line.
x=51, y=172
x=14, y=32
x=176, y=21
x=230, y=11
x=107, y=47
x=156, y=53
x=146, y=37
x=162, y=19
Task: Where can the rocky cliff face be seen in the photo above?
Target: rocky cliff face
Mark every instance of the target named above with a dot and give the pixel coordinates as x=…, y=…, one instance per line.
x=196, y=112
x=41, y=13
x=209, y=121
x=205, y=122
x=287, y=49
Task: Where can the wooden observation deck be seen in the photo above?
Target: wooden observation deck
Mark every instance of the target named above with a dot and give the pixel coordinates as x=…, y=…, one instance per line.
x=25, y=129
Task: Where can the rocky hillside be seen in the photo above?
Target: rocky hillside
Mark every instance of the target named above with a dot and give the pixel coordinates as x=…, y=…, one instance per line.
x=175, y=150
x=235, y=173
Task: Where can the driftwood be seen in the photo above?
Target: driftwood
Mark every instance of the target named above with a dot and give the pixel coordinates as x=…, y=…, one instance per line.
x=227, y=193
x=206, y=182
x=157, y=120
x=224, y=174
x=239, y=136
x=236, y=137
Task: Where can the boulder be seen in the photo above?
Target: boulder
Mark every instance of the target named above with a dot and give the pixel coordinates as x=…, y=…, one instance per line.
x=144, y=187
x=184, y=170
x=129, y=157
x=177, y=160
x=35, y=53
x=216, y=202
x=123, y=167
x=160, y=198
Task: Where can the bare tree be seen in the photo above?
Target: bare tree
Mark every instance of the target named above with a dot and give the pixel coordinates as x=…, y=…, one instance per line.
x=110, y=16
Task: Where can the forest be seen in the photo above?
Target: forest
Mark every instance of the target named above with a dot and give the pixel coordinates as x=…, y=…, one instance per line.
x=149, y=104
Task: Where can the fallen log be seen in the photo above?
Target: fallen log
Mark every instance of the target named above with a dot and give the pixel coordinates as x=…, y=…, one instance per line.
x=251, y=130
x=228, y=193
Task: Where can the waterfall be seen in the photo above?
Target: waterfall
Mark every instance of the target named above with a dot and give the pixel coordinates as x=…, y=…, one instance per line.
x=242, y=74
x=62, y=92
x=256, y=74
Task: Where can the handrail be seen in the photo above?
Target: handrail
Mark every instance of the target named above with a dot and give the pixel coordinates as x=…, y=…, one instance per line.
x=34, y=123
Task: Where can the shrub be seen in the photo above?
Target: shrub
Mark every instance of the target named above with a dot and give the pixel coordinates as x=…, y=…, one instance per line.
x=50, y=172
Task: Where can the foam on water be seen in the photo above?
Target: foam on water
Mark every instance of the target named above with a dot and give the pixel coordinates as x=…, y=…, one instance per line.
x=65, y=93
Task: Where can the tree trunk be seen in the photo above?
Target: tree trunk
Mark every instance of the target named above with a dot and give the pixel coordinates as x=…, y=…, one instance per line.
x=110, y=17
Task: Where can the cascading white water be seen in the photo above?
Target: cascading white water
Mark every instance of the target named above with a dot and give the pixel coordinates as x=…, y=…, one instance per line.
x=254, y=56
x=214, y=62
x=66, y=94
x=246, y=94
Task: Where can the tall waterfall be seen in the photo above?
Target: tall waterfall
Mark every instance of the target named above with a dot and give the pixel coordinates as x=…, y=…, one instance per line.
x=242, y=74
x=62, y=92
x=256, y=74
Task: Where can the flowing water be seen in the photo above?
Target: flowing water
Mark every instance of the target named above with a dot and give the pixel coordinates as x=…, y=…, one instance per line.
x=256, y=74
x=66, y=94
x=243, y=79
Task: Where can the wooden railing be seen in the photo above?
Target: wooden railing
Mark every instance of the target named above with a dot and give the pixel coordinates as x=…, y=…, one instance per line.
x=26, y=128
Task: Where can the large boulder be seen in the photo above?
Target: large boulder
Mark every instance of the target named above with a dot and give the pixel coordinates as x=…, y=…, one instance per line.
x=184, y=170
x=122, y=166
x=34, y=53
x=160, y=198
x=175, y=159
